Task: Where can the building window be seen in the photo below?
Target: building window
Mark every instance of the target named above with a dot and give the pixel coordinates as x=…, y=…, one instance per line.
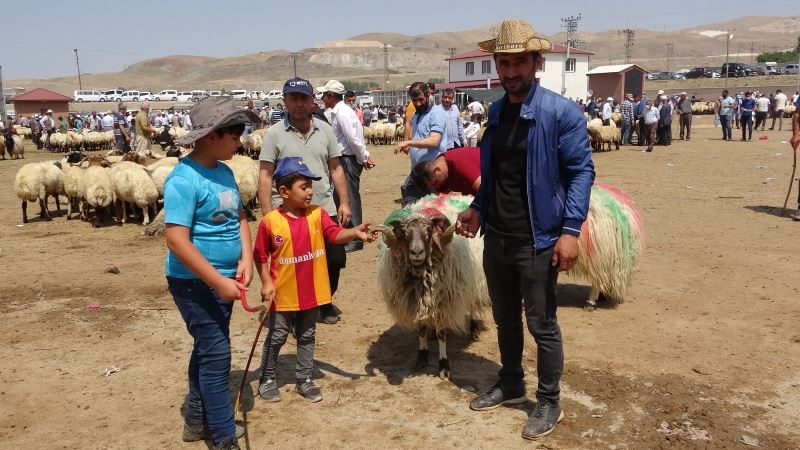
x=570, y=65
x=470, y=68
x=543, y=61
x=486, y=66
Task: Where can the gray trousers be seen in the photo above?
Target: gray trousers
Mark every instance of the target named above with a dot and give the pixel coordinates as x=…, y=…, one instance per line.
x=352, y=171
x=778, y=114
x=518, y=276
x=686, y=125
x=280, y=324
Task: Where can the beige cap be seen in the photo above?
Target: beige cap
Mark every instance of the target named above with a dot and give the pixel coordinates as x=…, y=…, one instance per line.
x=332, y=86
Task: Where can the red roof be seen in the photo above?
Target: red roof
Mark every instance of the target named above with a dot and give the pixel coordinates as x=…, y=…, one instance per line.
x=557, y=48
x=41, y=95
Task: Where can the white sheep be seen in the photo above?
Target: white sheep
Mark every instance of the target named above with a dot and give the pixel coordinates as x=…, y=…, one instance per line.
x=603, y=134
x=72, y=189
x=132, y=184
x=429, y=277
x=245, y=172
x=96, y=188
x=37, y=182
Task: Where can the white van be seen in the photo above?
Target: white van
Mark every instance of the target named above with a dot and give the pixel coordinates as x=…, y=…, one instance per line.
x=112, y=95
x=239, y=94
x=87, y=96
x=274, y=94
x=214, y=94
x=130, y=96
x=166, y=95
x=791, y=69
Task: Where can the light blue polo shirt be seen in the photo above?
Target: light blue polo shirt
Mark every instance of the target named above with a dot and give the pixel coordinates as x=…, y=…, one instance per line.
x=434, y=119
x=206, y=201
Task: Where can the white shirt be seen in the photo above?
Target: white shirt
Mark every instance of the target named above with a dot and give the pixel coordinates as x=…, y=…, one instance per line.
x=187, y=122
x=475, y=107
x=472, y=130
x=762, y=104
x=780, y=101
x=651, y=115
x=607, y=110
x=348, y=131
x=107, y=122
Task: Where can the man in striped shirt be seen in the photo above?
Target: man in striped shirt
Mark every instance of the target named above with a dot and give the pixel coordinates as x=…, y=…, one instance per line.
x=628, y=119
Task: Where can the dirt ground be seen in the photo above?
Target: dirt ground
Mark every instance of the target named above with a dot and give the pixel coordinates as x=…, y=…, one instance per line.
x=704, y=353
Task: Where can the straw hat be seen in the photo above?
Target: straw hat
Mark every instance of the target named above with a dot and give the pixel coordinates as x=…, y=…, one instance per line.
x=516, y=36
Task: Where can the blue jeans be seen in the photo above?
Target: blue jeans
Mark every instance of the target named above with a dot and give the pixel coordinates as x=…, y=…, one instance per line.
x=725, y=121
x=208, y=320
x=627, y=132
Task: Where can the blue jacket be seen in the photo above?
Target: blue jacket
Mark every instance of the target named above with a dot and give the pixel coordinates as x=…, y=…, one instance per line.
x=560, y=171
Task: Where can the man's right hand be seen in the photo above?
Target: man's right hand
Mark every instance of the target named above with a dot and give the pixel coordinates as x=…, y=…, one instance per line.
x=468, y=222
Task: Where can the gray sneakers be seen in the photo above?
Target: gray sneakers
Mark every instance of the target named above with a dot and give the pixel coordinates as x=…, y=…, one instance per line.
x=268, y=390
x=309, y=390
x=543, y=419
x=495, y=397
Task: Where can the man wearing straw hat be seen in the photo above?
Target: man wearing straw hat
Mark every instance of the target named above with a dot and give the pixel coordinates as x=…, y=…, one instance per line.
x=536, y=177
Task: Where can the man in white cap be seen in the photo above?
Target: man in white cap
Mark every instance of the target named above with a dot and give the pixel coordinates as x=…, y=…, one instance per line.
x=49, y=126
x=350, y=137
x=608, y=109
x=536, y=177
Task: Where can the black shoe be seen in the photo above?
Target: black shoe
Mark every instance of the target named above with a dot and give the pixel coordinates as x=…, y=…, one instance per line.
x=227, y=444
x=268, y=390
x=328, y=314
x=495, y=397
x=309, y=390
x=200, y=432
x=543, y=419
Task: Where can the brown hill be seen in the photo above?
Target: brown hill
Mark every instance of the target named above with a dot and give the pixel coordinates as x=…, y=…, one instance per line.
x=422, y=57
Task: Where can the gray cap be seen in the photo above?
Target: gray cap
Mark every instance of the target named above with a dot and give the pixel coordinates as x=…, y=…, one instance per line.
x=215, y=112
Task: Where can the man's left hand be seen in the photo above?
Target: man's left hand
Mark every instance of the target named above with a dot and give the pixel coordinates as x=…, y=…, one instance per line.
x=344, y=215
x=565, y=253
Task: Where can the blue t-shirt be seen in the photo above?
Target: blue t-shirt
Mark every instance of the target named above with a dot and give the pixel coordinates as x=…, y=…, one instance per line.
x=207, y=202
x=748, y=104
x=434, y=119
x=797, y=103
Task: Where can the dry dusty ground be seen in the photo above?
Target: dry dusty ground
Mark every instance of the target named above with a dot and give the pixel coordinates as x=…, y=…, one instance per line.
x=706, y=344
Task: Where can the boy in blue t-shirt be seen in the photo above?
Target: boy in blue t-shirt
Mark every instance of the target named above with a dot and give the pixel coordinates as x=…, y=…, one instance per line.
x=209, y=245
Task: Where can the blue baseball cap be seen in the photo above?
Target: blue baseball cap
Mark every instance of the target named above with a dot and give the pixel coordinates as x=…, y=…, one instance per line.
x=291, y=165
x=298, y=85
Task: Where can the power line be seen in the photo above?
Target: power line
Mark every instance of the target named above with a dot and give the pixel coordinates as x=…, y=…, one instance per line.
x=629, y=35
x=571, y=24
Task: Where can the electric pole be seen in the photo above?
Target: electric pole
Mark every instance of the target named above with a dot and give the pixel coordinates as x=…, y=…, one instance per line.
x=670, y=47
x=752, y=55
x=2, y=96
x=629, y=35
x=294, y=56
x=728, y=37
x=571, y=24
x=386, y=65
x=77, y=63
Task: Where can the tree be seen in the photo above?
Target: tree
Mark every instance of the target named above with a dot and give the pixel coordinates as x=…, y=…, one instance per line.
x=797, y=49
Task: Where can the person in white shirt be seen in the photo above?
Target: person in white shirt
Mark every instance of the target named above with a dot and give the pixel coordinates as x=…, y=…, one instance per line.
x=475, y=108
x=471, y=132
x=651, y=117
x=780, y=106
x=608, y=109
x=349, y=135
x=762, y=107
x=107, y=122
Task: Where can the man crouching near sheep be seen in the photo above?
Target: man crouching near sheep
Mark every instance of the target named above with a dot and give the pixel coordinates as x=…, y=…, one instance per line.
x=537, y=173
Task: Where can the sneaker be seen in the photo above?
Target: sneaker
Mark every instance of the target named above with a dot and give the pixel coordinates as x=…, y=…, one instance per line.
x=495, y=397
x=309, y=390
x=227, y=444
x=200, y=432
x=543, y=419
x=795, y=216
x=268, y=390
x=328, y=315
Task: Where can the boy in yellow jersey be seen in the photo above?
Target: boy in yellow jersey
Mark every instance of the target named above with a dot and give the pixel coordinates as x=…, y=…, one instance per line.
x=290, y=258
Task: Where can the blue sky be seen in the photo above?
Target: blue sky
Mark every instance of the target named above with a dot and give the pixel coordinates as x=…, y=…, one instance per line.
x=38, y=42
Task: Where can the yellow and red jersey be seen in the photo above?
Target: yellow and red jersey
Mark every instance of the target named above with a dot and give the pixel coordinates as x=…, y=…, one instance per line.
x=296, y=247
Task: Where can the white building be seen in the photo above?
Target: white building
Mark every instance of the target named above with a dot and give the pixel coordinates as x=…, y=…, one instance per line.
x=475, y=69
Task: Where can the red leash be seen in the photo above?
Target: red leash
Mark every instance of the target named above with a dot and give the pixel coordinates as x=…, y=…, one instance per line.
x=262, y=319
x=243, y=298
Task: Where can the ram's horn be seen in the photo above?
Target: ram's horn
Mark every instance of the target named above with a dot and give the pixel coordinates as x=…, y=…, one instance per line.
x=388, y=233
x=447, y=234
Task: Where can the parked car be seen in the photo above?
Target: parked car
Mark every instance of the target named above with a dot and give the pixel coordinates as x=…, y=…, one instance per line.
x=665, y=76
x=733, y=70
x=698, y=72
x=715, y=73
x=145, y=96
x=791, y=69
x=679, y=76
x=87, y=96
x=215, y=94
x=751, y=70
x=256, y=95
x=165, y=95
x=239, y=94
x=274, y=94
x=112, y=95
x=653, y=75
x=185, y=96
x=199, y=95
x=130, y=96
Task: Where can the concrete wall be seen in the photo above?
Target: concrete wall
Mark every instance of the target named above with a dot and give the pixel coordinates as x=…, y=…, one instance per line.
x=29, y=108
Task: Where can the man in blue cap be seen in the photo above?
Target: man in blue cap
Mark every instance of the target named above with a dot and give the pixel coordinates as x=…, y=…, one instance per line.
x=304, y=136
